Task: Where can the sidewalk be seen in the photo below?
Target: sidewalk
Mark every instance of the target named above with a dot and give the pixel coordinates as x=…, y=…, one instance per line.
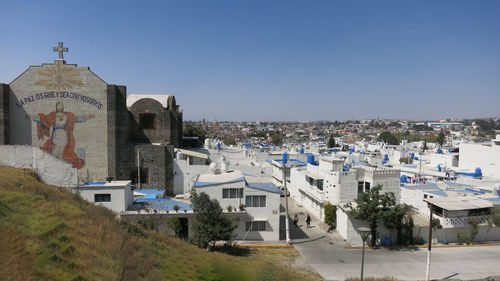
x=302, y=234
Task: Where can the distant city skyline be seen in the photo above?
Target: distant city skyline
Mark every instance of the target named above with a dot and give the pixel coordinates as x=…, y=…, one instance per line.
x=275, y=60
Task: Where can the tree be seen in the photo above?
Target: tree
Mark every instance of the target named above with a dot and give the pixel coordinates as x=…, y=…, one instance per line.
x=388, y=137
x=400, y=218
x=194, y=130
x=440, y=138
x=276, y=140
x=229, y=141
x=371, y=206
x=331, y=142
x=330, y=215
x=208, y=225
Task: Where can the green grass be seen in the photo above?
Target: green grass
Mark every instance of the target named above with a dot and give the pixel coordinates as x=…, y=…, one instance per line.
x=49, y=233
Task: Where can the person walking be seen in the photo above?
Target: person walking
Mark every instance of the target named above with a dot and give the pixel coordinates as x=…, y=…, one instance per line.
x=308, y=221
x=296, y=221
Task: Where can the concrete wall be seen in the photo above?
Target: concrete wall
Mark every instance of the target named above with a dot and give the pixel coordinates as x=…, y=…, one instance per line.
x=50, y=169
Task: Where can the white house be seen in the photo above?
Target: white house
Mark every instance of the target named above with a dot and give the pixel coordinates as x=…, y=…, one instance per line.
x=114, y=195
x=330, y=181
x=253, y=203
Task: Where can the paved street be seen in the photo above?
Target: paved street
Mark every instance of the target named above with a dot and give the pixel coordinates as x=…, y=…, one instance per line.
x=326, y=253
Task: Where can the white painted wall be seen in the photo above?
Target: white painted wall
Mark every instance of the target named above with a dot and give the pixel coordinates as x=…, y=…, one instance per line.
x=185, y=175
x=477, y=155
x=121, y=194
x=51, y=170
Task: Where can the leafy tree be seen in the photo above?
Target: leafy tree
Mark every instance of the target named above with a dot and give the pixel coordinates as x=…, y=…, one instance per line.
x=331, y=142
x=194, y=130
x=276, y=139
x=208, y=225
x=371, y=207
x=400, y=218
x=414, y=138
x=330, y=215
x=229, y=141
x=388, y=138
x=431, y=138
x=422, y=128
x=440, y=138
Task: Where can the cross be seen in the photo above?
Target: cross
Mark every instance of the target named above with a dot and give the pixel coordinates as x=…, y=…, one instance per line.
x=60, y=50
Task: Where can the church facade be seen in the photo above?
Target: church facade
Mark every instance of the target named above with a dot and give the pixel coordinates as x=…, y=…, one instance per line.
x=72, y=114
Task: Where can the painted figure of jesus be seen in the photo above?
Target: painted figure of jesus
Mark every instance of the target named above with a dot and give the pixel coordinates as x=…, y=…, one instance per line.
x=61, y=141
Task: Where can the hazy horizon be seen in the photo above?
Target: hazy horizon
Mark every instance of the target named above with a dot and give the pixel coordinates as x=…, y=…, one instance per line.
x=275, y=60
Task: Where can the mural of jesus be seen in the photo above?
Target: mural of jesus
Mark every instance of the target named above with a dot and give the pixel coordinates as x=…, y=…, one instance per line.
x=61, y=141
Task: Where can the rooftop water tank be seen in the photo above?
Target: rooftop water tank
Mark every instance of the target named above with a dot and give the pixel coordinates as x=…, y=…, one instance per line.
x=285, y=157
x=310, y=158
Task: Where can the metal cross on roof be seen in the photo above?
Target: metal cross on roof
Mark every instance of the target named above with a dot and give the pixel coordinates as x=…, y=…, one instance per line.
x=60, y=49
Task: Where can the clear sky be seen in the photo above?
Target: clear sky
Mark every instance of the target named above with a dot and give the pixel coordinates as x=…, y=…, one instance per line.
x=274, y=60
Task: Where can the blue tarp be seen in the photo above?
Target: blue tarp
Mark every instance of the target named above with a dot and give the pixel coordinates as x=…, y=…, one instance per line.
x=265, y=186
x=200, y=183
x=164, y=204
x=150, y=191
x=438, y=192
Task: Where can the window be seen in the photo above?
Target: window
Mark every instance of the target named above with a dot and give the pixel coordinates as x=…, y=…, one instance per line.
x=367, y=186
x=360, y=186
x=256, y=226
x=311, y=180
x=147, y=120
x=255, y=201
x=102, y=197
x=232, y=193
x=320, y=184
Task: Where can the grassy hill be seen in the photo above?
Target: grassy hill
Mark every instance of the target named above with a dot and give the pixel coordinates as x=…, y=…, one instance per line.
x=48, y=233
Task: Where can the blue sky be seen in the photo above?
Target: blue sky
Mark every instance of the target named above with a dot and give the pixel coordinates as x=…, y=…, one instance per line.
x=275, y=60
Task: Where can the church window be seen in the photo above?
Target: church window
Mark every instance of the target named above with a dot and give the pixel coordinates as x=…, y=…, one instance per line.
x=102, y=197
x=147, y=120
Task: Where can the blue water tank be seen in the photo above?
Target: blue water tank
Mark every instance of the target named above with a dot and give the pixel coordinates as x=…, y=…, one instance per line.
x=387, y=241
x=439, y=168
x=386, y=157
x=478, y=173
x=345, y=169
x=335, y=150
x=301, y=151
x=262, y=150
x=218, y=145
x=403, y=178
x=439, y=151
x=285, y=157
x=413, y=155
x=310, y=158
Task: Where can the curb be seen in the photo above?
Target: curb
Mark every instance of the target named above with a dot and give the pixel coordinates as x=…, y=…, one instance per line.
x=424, y=247
x=265, y=246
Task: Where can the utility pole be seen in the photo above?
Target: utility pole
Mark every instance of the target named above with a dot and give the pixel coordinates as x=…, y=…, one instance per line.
x=428, y=270
x=287, y=226
x=138, y=170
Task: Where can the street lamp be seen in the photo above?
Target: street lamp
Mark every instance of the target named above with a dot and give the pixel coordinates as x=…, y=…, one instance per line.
x=364, y=232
